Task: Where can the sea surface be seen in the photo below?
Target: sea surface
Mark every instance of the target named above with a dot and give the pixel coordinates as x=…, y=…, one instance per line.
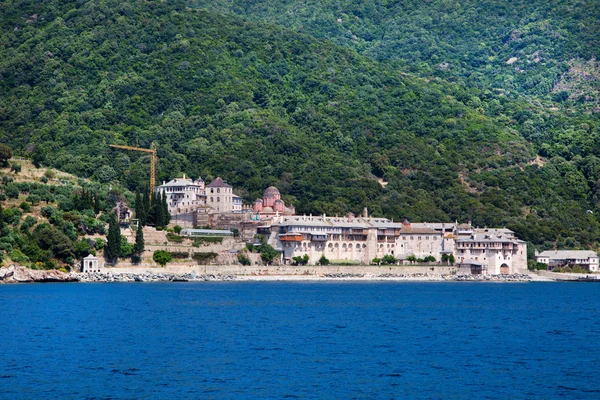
x=333, y=340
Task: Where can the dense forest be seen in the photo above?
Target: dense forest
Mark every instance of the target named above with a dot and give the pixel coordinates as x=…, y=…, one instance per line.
x=521, y=47
x=334, y=127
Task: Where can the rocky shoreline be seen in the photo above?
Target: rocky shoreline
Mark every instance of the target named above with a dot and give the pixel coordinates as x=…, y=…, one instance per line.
x=19, y=274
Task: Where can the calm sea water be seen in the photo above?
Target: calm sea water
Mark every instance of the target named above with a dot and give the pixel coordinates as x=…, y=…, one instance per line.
x=300, y=340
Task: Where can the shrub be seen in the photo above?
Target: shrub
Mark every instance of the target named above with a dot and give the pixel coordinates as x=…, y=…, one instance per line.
x=323, y=260
x=18, y=257
x=207, y=240
x=43, y=179
x=179, y=254
x=50, y=174
x=162, y=257
x=388, y=259
x=16, y=168
x=202, y=258
x=177, y=229
x=99, y=244
x=171, y=237
x=26, y=207
x=135, y=259
x=243, y=259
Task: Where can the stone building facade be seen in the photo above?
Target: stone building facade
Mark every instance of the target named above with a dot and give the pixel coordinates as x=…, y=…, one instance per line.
x=184, y=195
x=587, y=259
x=271, y=205
x=219, y=195
x=364, y=238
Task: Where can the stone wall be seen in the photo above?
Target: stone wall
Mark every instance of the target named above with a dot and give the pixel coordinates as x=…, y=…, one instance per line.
x=284, y=269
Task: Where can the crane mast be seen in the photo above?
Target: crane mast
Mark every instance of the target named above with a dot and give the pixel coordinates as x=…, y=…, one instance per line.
x=153, y=159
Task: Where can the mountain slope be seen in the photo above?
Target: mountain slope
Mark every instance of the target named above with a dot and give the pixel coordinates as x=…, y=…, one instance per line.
x=260, y=105
x=523, y=46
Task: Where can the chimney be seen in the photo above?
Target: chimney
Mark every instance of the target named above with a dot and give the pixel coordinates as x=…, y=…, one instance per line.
x=365, y=213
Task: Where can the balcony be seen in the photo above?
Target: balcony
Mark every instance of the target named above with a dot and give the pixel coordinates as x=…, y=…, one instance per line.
x=291, y=237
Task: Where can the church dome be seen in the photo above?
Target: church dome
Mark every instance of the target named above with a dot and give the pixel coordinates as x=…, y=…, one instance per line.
x=271, y=191
x=267, y=210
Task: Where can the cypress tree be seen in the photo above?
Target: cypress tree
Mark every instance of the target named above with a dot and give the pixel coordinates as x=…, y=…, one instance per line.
x=113, y=247
x=159, y=215
x=138, y=247
x=165, y=207
x=139, y=207
x=151, y=215
x=146, y=201
x=96, y=204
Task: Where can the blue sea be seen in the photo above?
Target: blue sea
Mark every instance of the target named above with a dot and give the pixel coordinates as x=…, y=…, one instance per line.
x=333, y=340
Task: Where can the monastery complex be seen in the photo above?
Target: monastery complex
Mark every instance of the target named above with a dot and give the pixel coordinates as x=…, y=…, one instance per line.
x=487, y=251
x=349, y=239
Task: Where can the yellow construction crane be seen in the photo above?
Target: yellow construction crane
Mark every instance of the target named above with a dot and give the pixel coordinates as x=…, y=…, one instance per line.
x=153, y=159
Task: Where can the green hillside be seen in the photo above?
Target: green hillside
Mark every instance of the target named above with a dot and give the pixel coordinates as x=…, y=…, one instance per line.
x=521, y=47
x=260, y=105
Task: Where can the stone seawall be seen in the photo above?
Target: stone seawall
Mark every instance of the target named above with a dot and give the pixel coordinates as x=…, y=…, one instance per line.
x=284, y=269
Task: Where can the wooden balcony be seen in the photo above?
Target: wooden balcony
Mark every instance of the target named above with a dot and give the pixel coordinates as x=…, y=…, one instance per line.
x=291, y=237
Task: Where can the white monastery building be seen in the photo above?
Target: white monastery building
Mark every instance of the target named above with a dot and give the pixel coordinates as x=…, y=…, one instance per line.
x=361, y=239
x=561, y=258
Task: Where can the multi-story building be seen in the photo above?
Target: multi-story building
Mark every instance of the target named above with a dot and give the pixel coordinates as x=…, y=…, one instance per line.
x=490, y=251
x=361, y=239
x=184, y=195
x=562, y=258
x=219, y=196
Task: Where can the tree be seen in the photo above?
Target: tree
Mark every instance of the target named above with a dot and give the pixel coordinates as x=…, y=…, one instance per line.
x=125, y=249
x=96, y=204
x=162, y=257
x=146, y=208
x=113, y=248
x=138, y=247
x=166, y=216
x=38, y=157
x=139, y=207
x=5, y=155
x=298, y=260
x=16, y=168
x=2, y=225
x=451, y=259
x=82, y=248
x=388, y=259
x=267, y=253
x=243, y=259
x=323, y=260
x=411, y=258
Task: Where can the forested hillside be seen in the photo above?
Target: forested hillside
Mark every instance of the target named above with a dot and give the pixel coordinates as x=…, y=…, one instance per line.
x=260, y=105
x=520, y=47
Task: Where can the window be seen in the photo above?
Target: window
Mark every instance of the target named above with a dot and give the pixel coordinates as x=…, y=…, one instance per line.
x=218, y=190
x=218, y=199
